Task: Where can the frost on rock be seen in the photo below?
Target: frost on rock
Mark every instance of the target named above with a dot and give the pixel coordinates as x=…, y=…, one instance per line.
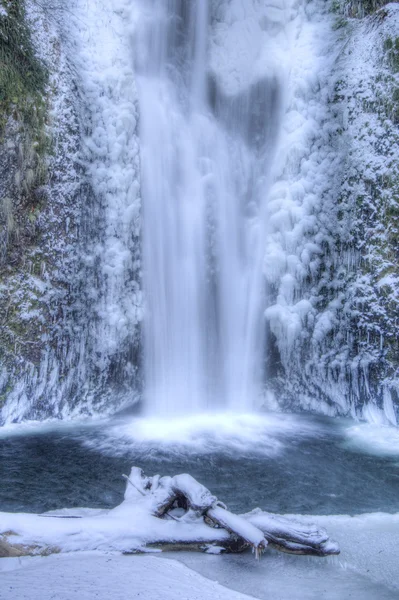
x=72, y=299
x=331, y=260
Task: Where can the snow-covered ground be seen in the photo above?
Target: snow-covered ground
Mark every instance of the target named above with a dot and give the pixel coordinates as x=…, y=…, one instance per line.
x=103, y=576
x=366, y=569
x=87, y=553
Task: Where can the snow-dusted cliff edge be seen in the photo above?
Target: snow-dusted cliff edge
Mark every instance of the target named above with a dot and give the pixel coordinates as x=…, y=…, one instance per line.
x=70, y=264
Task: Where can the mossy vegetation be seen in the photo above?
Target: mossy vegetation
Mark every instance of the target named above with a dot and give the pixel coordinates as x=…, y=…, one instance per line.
x=23, y=82
x=391, y=47
x=7, y=389
x=365, y=342
x=358, y=8
x=380, y=228
x=25, y=145
x=23, y=77
x=24, y=134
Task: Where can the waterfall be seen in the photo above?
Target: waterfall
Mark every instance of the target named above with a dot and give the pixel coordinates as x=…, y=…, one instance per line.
x=208, y=221
x=206, y=151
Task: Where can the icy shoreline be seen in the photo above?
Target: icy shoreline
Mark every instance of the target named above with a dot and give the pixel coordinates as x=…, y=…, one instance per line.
x=94, y=575
x=367, y=569
x=84, y=541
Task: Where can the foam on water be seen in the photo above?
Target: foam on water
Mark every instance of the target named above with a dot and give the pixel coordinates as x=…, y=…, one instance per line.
x=373, y=439
x=204, y=434
x=49, y=426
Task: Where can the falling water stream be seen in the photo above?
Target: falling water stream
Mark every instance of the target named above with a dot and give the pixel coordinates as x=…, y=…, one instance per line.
x=205, y=155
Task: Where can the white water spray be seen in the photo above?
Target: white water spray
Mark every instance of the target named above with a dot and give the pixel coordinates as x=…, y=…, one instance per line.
x=205, y=154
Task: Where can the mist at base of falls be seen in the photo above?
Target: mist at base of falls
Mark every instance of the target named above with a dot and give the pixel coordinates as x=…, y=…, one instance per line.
x=206, y=154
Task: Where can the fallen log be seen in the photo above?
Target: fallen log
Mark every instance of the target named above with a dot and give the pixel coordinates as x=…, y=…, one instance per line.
x=290, y=535
x=166, y=513
x=181, y=491
x=240, y=527
x=16, y=550
x=8, y=550
x=256, y=529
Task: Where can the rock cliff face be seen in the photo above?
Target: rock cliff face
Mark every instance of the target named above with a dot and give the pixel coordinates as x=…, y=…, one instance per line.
x=340, y=353
x=70, y=272
x=52, y=362
x=369, y=94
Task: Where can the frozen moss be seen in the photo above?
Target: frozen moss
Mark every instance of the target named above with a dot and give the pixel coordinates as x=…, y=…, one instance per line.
x=358, y=8
x=23, y=77
x=24, y=139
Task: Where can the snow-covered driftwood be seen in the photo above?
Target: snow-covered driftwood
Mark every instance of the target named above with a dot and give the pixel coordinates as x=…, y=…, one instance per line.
x=239, y=527
x=183, y=496
x=292, y=536
x=163, y=513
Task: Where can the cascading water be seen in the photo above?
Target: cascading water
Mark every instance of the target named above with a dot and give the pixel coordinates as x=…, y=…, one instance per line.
x=214, y=77
x=205, y=155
